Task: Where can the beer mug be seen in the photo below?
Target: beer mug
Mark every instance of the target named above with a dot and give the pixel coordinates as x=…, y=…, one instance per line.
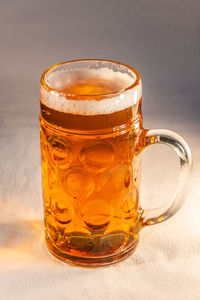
x=92, y=137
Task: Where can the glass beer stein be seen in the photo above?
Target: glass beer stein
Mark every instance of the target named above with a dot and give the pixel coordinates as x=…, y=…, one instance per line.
x=92, y=137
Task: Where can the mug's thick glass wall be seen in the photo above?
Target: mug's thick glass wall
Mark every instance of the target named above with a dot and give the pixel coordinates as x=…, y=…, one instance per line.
x=91, y=140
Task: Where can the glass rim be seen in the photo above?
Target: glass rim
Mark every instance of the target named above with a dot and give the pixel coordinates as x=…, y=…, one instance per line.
x=70, y=95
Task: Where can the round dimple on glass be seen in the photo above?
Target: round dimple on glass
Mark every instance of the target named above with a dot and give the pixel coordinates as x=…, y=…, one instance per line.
x=92, y=137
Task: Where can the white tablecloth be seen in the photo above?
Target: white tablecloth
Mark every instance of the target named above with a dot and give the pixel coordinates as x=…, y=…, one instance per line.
x=166, y=263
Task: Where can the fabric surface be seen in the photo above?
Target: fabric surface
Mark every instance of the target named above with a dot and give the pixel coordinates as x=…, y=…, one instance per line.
x=165, y=264
x=161, y=40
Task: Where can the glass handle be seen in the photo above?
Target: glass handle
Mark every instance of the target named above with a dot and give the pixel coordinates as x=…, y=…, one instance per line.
x=176, y=142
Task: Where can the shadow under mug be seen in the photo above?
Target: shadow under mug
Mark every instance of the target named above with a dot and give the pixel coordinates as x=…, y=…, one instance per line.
x=92, y=137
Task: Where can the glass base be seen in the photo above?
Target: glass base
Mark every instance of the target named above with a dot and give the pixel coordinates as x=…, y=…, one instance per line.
x=92, y=261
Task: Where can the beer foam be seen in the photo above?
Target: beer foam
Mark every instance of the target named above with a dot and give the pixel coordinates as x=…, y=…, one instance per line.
x=60, y=78
x=58, y=100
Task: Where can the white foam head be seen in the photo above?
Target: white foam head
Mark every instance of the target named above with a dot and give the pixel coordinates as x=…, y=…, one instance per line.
x=119, y=98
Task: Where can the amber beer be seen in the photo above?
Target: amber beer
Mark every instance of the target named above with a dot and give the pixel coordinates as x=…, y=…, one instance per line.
x=91, y=140
x=90, y=164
